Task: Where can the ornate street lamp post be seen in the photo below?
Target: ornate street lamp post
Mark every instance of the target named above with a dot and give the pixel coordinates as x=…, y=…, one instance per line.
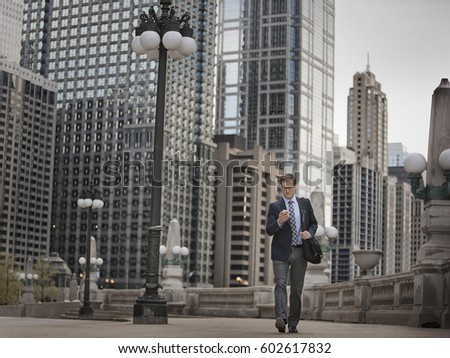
x=95, y=264
x=433, y=256
x=89, y=199
x=320, y=273
x=158, y=36
x=28, y=278
x=415, y=164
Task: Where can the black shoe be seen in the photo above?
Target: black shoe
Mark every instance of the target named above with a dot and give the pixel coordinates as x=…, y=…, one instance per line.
x=293, y=329
x=280, y=324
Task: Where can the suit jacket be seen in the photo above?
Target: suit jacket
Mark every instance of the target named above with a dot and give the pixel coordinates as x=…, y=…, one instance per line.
x=282, y=236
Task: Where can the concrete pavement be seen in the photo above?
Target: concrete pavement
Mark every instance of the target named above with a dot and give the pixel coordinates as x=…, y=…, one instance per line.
x=203, y=327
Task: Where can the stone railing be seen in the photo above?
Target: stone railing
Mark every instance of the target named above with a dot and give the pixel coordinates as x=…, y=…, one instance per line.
x=416, y=298
x=39, y=310
x=120, y=300
x=237, y=302
x=386, y=299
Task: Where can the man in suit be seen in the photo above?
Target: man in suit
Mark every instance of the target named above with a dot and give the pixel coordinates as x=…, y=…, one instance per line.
x=290, y=220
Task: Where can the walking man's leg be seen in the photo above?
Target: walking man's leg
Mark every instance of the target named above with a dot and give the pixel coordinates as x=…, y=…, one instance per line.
x=280, y=270
x=298, y=270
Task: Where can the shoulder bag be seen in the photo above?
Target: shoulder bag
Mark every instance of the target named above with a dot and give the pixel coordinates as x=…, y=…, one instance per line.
x=312, y=251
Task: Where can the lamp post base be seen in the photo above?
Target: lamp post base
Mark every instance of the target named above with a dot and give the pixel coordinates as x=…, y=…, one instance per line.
x=27, y=295
x=436, y=226
x=150, y=312
x=86, y=312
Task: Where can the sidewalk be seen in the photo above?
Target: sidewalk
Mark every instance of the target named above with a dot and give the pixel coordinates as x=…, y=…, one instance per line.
x=203, y=327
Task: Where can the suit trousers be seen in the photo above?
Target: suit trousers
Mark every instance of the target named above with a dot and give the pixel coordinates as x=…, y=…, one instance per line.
x=295, y=269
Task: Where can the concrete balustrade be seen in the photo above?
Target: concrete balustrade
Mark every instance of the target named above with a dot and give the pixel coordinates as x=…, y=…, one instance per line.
x=395, y=299
x=237, y=302
x=417, y=298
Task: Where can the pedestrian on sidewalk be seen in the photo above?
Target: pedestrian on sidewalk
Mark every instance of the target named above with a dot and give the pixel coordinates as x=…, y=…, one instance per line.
x=290, y=220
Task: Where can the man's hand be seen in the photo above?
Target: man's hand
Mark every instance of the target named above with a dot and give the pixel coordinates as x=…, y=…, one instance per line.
x=283, y=217
x=305, y=235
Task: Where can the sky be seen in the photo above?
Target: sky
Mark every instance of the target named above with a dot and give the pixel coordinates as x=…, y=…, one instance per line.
x=408, y=42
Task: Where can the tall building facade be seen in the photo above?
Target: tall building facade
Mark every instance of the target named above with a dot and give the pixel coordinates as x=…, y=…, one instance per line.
x=275, y=82
x=247, y=188
x=27, y=130
x=416, y=207
x=359, y=172
x=11, y=15
x=397, y=153
x=106, y=111
x=367, y=120
x=403, y=227
x=397, y=226
x=357, y=211
x=389, y=226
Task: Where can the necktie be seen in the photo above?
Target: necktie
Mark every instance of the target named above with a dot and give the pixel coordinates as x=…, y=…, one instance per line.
x=292, y=223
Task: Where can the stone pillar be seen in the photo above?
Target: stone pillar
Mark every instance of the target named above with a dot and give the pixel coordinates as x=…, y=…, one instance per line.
x=318, y=304
x=439, y=136
x=435, y=219
x=445, y=318
x=435, y=223
x=172, y=271
x=428, y=295
x=27, y=295
x=316, y=274
x=362, y=299
x=73, y=290
x=433, y=258
x=28, y=289
x=172, y=283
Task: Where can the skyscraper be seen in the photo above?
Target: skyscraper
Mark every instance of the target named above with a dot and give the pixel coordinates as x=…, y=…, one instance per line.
x=242, y=246
x=396, y=154
x=275, y=82
x=367, y=120
x=11, y=15
x=27, y=129
x=106, y=110
x=397, y=225
x=357, y=211
x=360, y=171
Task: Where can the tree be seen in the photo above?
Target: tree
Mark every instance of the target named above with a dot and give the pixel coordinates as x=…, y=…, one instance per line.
x=10, y=285
x=45, y=289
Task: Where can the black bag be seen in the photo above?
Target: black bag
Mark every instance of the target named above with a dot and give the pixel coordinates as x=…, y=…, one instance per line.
x=312, y=251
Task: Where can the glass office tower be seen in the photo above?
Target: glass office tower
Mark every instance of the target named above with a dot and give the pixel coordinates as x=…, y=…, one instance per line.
x=275, y=82
x=27, y=130
x=106, y=111
x=10, y=24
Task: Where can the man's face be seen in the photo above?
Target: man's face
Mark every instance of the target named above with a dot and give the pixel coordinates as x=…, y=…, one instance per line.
x=288, y=189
